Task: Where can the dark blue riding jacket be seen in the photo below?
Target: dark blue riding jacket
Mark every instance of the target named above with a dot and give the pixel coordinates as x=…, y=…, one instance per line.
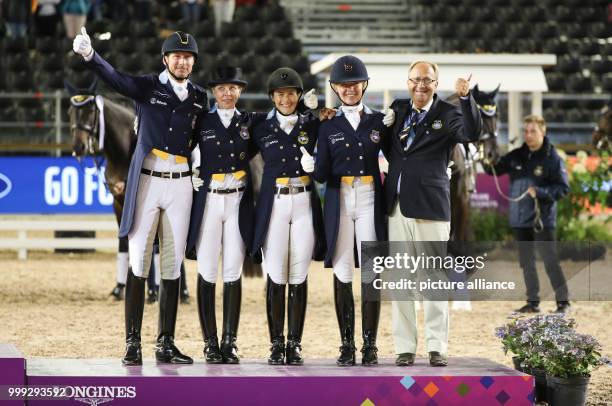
x=163, y=121
x=543, y=169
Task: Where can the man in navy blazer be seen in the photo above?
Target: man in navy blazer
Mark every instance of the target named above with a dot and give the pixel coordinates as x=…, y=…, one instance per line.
x=417, y=191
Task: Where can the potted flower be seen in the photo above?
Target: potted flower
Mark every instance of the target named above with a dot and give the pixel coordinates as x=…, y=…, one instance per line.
x=568, y=362
x=527, y=339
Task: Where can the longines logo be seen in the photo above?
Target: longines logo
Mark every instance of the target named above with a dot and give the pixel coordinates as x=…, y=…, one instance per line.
x=5, y=185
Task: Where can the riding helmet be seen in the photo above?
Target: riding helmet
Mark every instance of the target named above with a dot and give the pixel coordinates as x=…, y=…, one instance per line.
x=180, y=42
x=348, y=69
x=284, y=77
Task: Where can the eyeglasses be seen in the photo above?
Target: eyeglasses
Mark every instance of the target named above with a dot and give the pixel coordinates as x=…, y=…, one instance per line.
x=422, y=81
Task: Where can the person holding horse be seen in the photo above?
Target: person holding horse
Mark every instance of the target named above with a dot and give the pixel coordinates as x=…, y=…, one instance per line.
x=347, y=160
x=417, y=191
x=222, y=212
x=537, y=180
x=158, y=192
x=288, y=220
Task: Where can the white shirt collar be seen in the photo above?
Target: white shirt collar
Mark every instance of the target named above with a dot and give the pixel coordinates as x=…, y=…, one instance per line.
x=164, y=77
x=366, y=109
x=427, y=106
x=216, y=107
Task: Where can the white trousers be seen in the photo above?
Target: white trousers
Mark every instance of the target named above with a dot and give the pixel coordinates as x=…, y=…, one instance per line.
x=289, y=244
x=224, y=13
x=356, y=224
x=403, y=313
x=220, y=235
x=162, y=206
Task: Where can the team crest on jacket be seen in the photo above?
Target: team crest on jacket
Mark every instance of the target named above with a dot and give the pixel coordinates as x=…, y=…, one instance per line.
x=538, y=171
x=437, y=124
x=242, y=155
x=244, y=132
x=303, y=138
x=375, y=136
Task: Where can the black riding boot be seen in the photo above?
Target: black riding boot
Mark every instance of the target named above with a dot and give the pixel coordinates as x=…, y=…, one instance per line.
x=232, y=296
x=165, y=350
x=275, y=309
x=345, y=312
x=117, y=291
x=370, y=313
x=134, y=308
x=185, y=299
x=298, y=295
x=208, y=322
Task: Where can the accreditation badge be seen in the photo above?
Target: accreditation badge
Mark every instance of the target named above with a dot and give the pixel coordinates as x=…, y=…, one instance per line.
x=375, y=136
x=303, y=138
x=244, y=132
x=437, y=124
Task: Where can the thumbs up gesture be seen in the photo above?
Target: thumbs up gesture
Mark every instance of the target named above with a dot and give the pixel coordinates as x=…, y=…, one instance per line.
x=310, y=99
x=462, y=86
x=307, y=161
x=82, y=44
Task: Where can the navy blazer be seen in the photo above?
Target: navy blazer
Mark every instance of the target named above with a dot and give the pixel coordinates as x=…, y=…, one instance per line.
x=222, y=150
x=343, y=151
x=543, y=169
x=281, y=155
x=163, y=121
x=425, y=187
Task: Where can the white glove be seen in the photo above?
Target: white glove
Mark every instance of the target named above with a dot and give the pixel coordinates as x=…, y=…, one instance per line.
x=195, y=179
x=449, y=171
x=310, y=99
x=82, y=45
x=307, y=161
x=389, y=118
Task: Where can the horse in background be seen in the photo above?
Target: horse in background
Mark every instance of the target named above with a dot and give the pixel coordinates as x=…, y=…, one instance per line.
x=602, y=134
x=465, y=157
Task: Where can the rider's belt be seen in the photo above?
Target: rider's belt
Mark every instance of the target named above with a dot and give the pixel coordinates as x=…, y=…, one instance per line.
x=348, y=180
x=164, y=155
x=226, y=191
x=166, y=175
x=220, y=177
x=292, y=190
x=284, y=181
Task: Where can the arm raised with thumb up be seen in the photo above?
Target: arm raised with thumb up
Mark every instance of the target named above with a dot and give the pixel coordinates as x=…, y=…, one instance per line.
x=307, y=161
x=82, y=45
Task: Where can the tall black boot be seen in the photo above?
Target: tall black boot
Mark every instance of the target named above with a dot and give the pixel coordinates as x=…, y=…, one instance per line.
x=370, y=313
x=165, y=350
x=134, y=308
x=345, y=312
x=275, y=309
x=185, y=299
x=298, y=295
x=232, y=296
x=208, y=322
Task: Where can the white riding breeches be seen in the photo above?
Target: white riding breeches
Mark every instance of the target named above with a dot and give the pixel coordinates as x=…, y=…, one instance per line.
x=356, y=225
x=220, y=235
x=289, y=243
x=162, y=207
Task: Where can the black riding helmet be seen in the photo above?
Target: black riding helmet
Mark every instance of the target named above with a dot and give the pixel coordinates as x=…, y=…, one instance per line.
x=180, y=42
x=285, y=77
x=346, y=69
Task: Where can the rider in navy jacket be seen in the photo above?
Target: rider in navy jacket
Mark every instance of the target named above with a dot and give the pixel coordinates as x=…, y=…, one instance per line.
x=166, y=108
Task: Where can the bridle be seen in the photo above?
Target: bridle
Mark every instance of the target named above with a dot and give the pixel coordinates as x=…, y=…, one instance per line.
x=78, y=103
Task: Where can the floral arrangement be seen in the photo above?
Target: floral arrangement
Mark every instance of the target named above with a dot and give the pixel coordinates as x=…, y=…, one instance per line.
x=549, y=342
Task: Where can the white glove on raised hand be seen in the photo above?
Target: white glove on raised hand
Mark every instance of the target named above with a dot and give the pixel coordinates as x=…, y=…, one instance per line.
x=82, y=45
x=307, y=161
x=389, y=118
x=449, y=171
x=195, y=179
x=310, y=100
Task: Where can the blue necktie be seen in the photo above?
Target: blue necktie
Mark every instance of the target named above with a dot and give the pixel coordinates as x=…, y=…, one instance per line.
x=407, y=134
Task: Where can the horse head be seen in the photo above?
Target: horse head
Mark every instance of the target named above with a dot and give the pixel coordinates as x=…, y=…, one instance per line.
x=488, y=148
x=84, y=119
x=602, y=134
